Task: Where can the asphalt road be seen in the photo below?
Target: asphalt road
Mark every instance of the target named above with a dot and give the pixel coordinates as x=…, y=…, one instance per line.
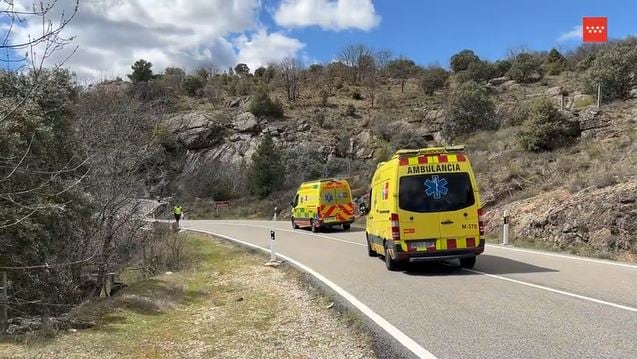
x=514, y=304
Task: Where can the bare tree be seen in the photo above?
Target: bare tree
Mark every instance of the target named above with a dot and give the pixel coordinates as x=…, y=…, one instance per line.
x=289, y=73
x=383, y=57
x=116, y=133
x=37, y=48
x=351, y=56
x=369, y=77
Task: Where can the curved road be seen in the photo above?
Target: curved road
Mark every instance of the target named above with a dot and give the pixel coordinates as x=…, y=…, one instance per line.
x=514, y=304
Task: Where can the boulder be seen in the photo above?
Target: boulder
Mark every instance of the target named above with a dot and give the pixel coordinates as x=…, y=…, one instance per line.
x=234, y=102
x=195, y=131
x=510, y=85
x=304, y=127
x=362, y=145
x=498, y=81
x=554, y=91
x=246, y=123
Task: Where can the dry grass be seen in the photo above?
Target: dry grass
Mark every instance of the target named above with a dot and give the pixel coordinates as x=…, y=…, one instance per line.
x=226, y=305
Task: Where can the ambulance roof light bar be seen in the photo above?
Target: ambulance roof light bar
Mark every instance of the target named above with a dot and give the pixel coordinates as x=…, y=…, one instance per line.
x=430, y=150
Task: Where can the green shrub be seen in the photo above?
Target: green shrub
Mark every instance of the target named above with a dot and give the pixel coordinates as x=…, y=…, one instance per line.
x=555, y=63
x=407, y=140
x=433, y=78
x=262, y=105
x=545, y=128
x=193, y=85
x=469, y=109
x=478, y=71
x=502, y=66
x=526, y=68
x=462, y=60
x=615, y=68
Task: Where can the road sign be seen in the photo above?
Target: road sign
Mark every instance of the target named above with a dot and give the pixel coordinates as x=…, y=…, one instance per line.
x=222, y=204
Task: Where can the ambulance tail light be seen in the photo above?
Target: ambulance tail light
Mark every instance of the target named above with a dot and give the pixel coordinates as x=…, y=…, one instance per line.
x=480, y=222
x=395, y=227
x=318, y=212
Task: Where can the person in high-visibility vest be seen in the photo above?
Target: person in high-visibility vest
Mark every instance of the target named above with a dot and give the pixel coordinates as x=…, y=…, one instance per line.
x=178, y=211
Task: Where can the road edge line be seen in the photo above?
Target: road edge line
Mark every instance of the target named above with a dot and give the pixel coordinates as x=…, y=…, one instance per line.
x=537, y=286
x=565, y=256
x=394, y=332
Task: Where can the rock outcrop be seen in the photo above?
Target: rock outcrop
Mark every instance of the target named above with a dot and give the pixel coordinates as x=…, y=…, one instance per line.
x=602, y=218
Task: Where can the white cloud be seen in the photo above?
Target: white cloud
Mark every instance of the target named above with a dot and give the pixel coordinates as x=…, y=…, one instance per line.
x=333, y=15
x=574, y=34
x=112, y=34
x=261, y=48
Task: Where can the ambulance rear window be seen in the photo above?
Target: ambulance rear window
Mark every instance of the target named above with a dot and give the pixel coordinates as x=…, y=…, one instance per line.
x=437, y=192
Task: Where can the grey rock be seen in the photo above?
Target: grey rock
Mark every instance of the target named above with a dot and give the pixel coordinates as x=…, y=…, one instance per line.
x=554, y=91
x=498, y=81
x=247, y=122
x=304, y=127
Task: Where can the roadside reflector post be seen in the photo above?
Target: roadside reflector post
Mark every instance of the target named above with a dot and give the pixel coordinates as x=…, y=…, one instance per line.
x=273, y=262
x=505, y=228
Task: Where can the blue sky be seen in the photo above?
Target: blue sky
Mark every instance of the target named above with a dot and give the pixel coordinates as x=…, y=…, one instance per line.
x=431, y=31
x=113, y=34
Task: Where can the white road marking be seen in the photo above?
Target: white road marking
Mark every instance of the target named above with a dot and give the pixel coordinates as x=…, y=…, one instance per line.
x=401, y=337
x=592, y=260
x=537, y=286
x=295, y=231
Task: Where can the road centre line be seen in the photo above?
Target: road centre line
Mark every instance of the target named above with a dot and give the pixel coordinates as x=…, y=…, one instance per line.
x=401, y=337
x=590, y=299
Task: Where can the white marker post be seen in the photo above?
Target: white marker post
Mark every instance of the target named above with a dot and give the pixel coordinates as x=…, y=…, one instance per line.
x=505, y=228
x=273, y=262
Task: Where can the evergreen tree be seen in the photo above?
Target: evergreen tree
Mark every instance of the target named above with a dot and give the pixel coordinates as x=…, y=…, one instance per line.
x=267, y=172
x=142, y=71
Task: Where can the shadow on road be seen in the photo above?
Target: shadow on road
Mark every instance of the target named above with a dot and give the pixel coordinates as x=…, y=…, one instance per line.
x=485, y=263
x=329, y=230
x=500, y=265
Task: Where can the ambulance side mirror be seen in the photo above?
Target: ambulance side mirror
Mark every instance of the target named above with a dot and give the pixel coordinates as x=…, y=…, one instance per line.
x=292, y=204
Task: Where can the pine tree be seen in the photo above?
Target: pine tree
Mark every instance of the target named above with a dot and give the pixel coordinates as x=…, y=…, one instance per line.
x=267, y=172
x=142, y=71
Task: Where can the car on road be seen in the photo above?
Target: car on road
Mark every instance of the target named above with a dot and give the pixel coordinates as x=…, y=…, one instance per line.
x=323, y=203
x=425, y=206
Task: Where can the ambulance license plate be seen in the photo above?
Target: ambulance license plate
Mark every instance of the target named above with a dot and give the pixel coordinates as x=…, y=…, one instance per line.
x=330, y=219
x=423, y=245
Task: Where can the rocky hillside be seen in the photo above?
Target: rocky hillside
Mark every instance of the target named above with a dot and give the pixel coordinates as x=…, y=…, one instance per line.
x=564, y=168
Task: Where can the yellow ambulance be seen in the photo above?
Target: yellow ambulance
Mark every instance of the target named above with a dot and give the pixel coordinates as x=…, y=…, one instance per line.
x=323, y=203
x=425, y=206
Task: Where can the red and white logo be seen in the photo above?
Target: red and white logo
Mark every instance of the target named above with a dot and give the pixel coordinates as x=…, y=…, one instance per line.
x=595, y=29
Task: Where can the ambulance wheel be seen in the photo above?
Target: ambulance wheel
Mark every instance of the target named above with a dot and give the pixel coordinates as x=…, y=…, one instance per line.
x=370, y=251
x=294, y=225
x=313, y=226
x=347, y=226
x=468, y=262
x=390, y=263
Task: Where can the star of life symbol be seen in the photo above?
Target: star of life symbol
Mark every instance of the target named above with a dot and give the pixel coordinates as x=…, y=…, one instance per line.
x=329, y=197
x=436, y=187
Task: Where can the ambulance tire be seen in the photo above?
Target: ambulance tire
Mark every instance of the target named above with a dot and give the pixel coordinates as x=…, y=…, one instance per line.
x=370, y=251
x=391, y=264
x=468, y=262
x=294, y=225
x=347, y=226
x=313, y=227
